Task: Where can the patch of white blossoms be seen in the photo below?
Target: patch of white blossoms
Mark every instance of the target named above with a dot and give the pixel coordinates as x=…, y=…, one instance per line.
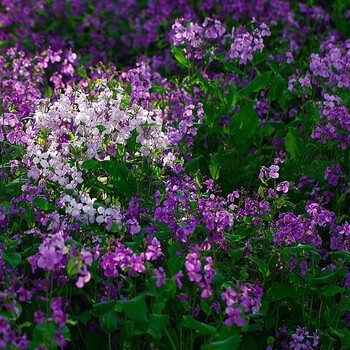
x=83, y=126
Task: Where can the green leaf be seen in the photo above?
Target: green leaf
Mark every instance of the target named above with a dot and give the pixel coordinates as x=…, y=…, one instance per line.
x=294, y=143
x=122, y=176
x=276, y=88
x=109, y=321
x=327, y=276
x=157, y=325
x=28, y=214
x=232, y=68
x=73, y=266
x=179, y=55
x=236, y=254
x=25, y=325
x=100, y=128
x=205, y=307
x=244, y=124
x=48, y=92
x=341, y=254
x=230, y=98
x=280, y=291
x=231, y=343
x=42, y=204
x=192, y=166
x=330, y=291
x=44, y=332
x=200, y=327
x=264, y=269
x=174, y=264
x=214, y=167
x=114, y=228
x=84, y=317
x=136, y=310
x=90, y=164
x=103, y=307
x=258, y=83
x=12, y=258
x=344, y=335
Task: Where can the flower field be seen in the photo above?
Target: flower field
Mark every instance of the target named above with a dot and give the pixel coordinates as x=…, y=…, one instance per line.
x=174, y=174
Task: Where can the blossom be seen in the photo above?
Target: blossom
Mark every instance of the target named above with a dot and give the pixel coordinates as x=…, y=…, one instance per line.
x=234, y=317
x=177, y=279
x=160, y=276
x=283, y=186
x=51, y=252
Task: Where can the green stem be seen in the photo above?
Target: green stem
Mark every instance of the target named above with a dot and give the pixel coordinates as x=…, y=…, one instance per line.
x=109, y=341
x=171, y=342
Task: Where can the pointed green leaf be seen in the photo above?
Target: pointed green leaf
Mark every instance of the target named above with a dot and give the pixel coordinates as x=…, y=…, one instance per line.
x=200, y=327
x=259, y=83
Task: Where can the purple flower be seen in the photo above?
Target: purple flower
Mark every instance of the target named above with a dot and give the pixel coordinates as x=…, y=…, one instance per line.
x=283, y=186
x=60, y=340
x=177, y=279
x=273, y=171
x=160, y=276
x=109, y=264
x=193, y=266
x=39, y=317
x=153, y=250
x=289, y=57
x=51, y=252
x=303, y=268
x=59, y=317
x=234, y=317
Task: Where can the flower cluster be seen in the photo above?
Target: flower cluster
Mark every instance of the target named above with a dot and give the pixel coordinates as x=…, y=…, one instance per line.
x=244, y=44
x=335, y=123
x=9, y=338
x=241, y=300
x=301, y=339
x=124, y=259
x=333, y=64
x=238, y=44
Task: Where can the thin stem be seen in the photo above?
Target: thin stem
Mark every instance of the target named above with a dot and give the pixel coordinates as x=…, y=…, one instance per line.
x=171, y=342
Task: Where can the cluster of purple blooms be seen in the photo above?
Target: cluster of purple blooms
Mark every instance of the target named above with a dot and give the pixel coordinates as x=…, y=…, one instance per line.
x=196, y=37
x=240, y=300
x=335, y=123
x=301, y=339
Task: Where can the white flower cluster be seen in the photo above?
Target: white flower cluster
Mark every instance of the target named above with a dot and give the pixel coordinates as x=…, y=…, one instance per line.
x=82, y=123
x=80, y=127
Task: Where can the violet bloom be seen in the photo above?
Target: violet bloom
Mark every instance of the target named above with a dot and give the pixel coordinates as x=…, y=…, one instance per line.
x=109, y=265
x=154, y=250
x=303, y=268
x=160, y=276
x=273, y=172
x=51, y=252
x=136, y=264
x=193, y=266
x=296, y=343
x=59, y=317
x=206, y=292
x=283, y=186
x=177, y=279
x=133, y=226
x=289, y=57
x=234, y=317
x=39, y=317
x=60, y=340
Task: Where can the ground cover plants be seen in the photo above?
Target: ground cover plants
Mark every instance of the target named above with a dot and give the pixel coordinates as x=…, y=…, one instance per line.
x=174, y=174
